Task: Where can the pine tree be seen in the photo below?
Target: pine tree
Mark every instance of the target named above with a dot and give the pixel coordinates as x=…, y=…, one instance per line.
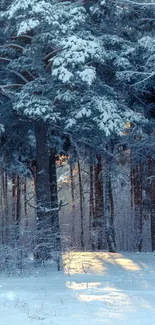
x=56, y=62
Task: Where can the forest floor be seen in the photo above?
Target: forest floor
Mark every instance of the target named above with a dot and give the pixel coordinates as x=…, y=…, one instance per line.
x=93, y=289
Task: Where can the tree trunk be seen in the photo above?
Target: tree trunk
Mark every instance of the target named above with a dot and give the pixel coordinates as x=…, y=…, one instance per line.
x=54, y=200
x=112, y=212
x=13, y=221
x=5, y=217
x=18, y=210
x=73, y=201
x=3, y=207
x=98, y=224
x=138, y=205
x=91, y=201
x=131, y=185
x=25, y=202
x=81, y=205
x=17, y=225
x=109, y=212
x=42, y=191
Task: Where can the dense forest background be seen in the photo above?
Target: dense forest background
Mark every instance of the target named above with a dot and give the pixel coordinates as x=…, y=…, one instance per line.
x=77, y=108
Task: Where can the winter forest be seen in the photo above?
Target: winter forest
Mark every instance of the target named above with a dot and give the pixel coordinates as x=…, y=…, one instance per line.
x=77, y=114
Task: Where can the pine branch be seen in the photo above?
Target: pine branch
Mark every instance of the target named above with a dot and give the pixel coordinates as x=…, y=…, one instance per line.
x=49, y=66
x=16, y=46
x=150, y=75
x=19, y=75
x=29, y=74
x=142, y=4
x=48, y=56
x=11, y=86
x=44, y=209
x=4, y=59
x=21, y=37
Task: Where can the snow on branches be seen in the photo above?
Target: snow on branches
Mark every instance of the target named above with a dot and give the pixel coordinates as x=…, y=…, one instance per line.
x=66, y=52
x=61, y=17
x=105, y=114
x=35, y=107
x=73, y=62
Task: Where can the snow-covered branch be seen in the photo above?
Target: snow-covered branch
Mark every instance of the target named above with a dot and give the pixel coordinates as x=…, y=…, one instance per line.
x=45, y=209
x=142, y=4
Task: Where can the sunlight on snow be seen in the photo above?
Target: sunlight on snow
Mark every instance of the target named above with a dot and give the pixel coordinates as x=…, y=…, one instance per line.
x=96, y=263
x=110, y=295
x=83, y=262
x=128, y=264
x=82, y=285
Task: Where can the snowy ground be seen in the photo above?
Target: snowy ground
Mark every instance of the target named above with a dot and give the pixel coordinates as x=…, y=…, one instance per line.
x=97, y=288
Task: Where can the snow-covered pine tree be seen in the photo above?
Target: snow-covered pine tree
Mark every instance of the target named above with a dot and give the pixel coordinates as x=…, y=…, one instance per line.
x=38, y=32
x=60, y=58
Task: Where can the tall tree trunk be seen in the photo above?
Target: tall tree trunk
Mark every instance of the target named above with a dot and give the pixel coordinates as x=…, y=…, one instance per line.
x=5, y=220
x=13, y=221
x=18, y=210
x=98, y=224
x=3, y=207
x=42, y=191
x=109, y=211
x=91, y=200
x=54, y=200
x=132, y=204
x=17, y=224
x=81, y=205
x=112, y=212
x=73, y=200
x=138, y=208
x=25, y=202
x=131, y=185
